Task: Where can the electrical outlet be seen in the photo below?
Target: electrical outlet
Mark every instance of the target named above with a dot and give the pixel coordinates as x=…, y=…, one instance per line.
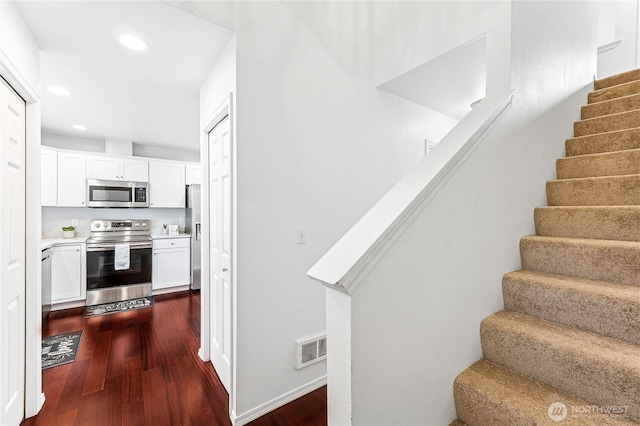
x=74, y=222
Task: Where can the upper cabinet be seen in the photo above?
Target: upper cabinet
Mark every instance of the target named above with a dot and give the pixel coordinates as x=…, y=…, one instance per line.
x=192, y=174
x=64, y=175
x=48, y=177
x=166, y=184
x=72, y=177
x=111, y=168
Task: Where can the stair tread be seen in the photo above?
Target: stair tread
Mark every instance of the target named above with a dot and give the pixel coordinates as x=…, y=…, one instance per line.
x=600, y=307
x=607, y=123
x=610, y=106
x=613, y=92
x=594, y=191
x=620, y=222
x=602, y=260
x=616, y=140
x=508, y=398
x=581, y=363
x=603, y=288
x=583, y=241
x=617, y=79
x=613, y=163
x=589, y=345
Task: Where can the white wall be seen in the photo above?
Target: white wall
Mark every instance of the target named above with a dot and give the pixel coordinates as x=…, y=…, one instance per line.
x=415, y=318
x=18, y=45
x=618, y=20
x=317, y=145
x=408, y=34
x=54, y=218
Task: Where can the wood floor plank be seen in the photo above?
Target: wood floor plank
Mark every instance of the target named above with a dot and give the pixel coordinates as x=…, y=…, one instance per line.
x=141, y=368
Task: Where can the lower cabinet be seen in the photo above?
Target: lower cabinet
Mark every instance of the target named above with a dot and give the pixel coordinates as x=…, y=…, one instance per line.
x=68, y=273
x=171, y=262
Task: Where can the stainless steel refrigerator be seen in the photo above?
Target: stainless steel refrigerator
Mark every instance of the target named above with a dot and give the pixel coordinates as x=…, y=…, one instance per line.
x=193, y=227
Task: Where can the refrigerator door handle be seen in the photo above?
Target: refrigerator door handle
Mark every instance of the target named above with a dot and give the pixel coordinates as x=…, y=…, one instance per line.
x=198, y=231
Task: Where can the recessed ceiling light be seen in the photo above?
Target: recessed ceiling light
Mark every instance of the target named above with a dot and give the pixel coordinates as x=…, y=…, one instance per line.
x=79, y=127
x=59, y=91
x=133, y=42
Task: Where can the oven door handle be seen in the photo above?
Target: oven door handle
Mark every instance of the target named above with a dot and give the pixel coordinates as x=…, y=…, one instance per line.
x=111, y=247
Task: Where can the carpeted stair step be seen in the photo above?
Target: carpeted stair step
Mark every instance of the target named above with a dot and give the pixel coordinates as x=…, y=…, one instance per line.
x=489, y=395
x=615, y=163
x=613, y=106
x=617, y=79
x=613, y=92
x=608, y=309
x=593, y=222
x=596, y=191
x=583, y=364
x=600, y=260
x=603, y=142
x=607, y=123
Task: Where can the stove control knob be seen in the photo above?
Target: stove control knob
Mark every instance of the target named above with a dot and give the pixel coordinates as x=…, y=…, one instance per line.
x=136, y=224
x=97, y=225
x=143, y=224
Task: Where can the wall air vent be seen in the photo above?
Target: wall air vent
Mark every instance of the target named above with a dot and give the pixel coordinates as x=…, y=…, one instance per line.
x=311, y=350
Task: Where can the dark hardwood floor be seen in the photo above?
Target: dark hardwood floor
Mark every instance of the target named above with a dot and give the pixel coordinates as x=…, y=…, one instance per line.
x=142, y=368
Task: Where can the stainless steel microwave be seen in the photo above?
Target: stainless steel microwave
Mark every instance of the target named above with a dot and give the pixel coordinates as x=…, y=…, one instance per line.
x=117, y=193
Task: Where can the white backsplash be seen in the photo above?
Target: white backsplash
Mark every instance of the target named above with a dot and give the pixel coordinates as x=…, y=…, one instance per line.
x=54, y=218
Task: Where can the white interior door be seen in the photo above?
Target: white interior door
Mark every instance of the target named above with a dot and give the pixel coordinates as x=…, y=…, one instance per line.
x=12, y=255
x=220, y=249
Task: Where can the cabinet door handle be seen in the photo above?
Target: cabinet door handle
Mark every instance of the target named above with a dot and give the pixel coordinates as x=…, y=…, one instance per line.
x=224, y=269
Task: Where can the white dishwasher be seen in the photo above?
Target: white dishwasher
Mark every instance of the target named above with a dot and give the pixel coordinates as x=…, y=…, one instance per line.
x=46, y=283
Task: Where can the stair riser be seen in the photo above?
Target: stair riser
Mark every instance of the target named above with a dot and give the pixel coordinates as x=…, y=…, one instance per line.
x=609, y=123
x=614, y=92
x=609, y=164
x=566, y=368
x=618, y=79
x=612, y=191
x=616, y=263
x=608, y=142
x=574, y=305
x=600, y=223
x=614, y=106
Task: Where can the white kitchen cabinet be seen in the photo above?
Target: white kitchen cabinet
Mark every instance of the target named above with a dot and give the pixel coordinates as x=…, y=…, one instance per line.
x=171, y=263
x=72, y=176
x=48, y=177
x=112, y=168
x=68, y=273
x=192, y=174
x=166, y=184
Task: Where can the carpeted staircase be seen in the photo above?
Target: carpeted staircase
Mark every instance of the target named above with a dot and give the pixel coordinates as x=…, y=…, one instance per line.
x=570, y=331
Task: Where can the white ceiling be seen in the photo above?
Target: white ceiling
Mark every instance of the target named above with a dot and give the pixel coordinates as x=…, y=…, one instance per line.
x=448, y=83
x=148, y=97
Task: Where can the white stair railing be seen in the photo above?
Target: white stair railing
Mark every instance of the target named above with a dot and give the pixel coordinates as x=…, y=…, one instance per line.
x=348, y=262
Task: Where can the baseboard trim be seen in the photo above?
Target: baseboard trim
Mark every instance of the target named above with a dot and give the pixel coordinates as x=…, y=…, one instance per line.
x=278, y=402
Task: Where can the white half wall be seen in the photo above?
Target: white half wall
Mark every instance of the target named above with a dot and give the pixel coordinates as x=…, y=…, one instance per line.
x=415, y=318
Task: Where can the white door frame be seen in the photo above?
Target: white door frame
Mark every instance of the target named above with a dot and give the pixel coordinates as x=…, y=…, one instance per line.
x=34, y=398
x=224, y=109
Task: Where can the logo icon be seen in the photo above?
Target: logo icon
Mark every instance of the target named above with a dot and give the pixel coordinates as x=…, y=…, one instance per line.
x=557, y=411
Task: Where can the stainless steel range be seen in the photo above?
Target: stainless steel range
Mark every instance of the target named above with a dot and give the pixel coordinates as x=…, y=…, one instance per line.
x=119, y=257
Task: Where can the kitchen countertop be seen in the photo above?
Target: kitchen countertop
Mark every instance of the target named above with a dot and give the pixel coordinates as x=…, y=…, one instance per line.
x=50, y=242
x=160, y=236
